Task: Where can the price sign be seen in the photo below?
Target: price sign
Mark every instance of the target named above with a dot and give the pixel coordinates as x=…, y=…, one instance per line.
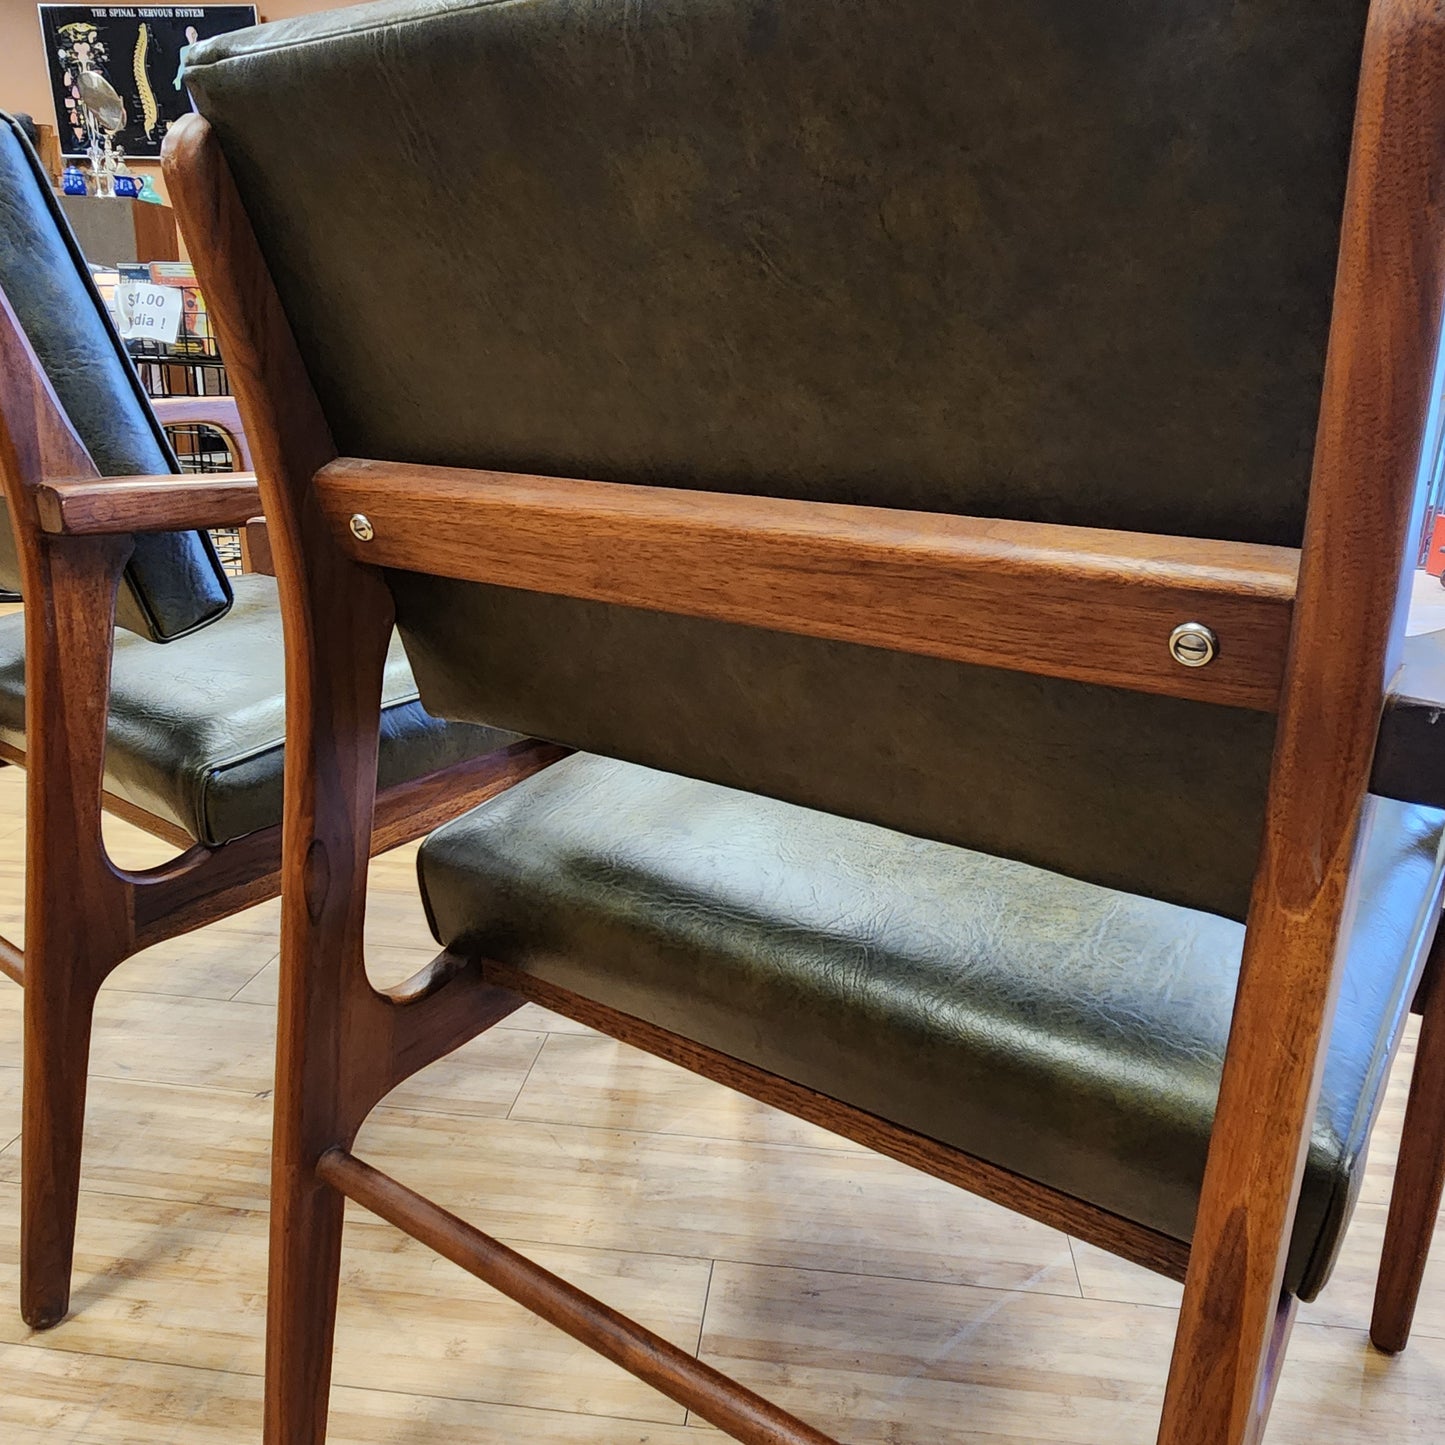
x=148, y=313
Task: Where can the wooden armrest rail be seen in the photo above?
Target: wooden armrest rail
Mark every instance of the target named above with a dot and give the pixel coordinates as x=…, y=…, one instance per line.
x=217, y=412
x=1410, y=749
x=1069, y=602
x=220, y=412
x=92, y=506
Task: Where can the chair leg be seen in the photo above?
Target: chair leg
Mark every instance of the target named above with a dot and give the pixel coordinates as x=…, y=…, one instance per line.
x=58, y=1011
x=77, y=914
x=306, y=1220
x=327, y=1054
x=1419, y=1177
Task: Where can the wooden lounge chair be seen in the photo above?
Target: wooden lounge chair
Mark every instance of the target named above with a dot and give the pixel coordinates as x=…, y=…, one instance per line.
x=999, y=431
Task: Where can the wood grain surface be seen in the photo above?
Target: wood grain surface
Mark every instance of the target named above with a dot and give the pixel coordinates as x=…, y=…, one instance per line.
x=1093, y=605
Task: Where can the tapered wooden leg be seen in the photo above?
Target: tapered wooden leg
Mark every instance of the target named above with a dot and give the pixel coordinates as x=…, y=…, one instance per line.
x=57, y=1050
x=317, y=1108
x=77, y=925
x=322, y=980
x=301, y=1306
x=323, y=1058
x=1419, y=1176
x=323, y=984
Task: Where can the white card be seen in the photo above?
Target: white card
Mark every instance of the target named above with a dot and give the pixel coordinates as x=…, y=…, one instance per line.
x=148, y=313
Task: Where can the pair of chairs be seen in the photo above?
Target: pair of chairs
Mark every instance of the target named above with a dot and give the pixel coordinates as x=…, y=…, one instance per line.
x=986, y=634
x=175, y=722
x=1006, y=426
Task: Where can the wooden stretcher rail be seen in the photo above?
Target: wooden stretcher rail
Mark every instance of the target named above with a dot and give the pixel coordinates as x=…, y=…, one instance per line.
x=12, y=961
x=1071, y=602
x=700, y=1388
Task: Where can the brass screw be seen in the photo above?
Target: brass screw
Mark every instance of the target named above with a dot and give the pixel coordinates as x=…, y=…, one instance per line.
x=361, y=527
x=1192, y=644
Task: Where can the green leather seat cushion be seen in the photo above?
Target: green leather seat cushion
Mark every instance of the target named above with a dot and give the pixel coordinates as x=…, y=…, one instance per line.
x=197, y=726
x=1064, y=1031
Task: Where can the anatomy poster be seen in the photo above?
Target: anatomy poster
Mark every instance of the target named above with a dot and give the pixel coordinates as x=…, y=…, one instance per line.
x=140, y=51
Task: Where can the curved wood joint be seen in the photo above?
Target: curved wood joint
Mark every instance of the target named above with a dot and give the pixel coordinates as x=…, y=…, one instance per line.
x=201, y=885
x=392, y=1034
x=219, y=413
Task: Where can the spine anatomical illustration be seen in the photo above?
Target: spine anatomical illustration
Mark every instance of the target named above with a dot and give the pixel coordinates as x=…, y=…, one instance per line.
x=150, y=111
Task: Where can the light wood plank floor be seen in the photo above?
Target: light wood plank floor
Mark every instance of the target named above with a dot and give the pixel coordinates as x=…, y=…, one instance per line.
x=879, y=1304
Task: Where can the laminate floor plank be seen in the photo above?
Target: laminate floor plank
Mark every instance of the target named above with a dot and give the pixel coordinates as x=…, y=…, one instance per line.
x=57, y=1398
x=183, y=1284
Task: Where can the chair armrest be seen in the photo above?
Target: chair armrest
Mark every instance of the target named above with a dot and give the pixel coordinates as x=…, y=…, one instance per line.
x=220, y=413
x=96, y=506
x=1410, y=749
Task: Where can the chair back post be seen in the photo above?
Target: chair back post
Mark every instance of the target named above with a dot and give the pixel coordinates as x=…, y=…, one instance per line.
x=37, y=442
x=337, y=619
x=1348, y=627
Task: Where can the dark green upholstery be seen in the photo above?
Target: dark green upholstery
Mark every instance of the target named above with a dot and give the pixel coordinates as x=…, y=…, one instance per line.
x=1042, y=260
x=1034, y=260
x=1093, y=782
x=174, y=582
x=1069, y=1033
x=197, y=729
x=1047, y=260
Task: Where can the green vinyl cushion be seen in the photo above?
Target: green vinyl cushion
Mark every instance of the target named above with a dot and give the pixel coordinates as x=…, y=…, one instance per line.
x=197, y=728
x=1067, y=1032
x=1048, y=260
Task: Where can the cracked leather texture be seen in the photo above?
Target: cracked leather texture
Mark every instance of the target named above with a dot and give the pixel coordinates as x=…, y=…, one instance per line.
x=196, y=730
x=174, y=582
x=1069, y=1033
x=1059, y=262
x=1092, y=781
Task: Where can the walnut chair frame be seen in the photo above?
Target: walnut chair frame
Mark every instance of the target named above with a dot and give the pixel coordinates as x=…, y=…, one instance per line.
x=1313, y=635
x=74, y=534
x=219, y=414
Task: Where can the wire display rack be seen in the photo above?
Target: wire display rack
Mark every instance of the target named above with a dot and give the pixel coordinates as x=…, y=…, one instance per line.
x=189, y=366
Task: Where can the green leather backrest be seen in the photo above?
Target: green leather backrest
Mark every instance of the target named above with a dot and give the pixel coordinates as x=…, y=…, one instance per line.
x=174, y=582
x=1038, y=259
